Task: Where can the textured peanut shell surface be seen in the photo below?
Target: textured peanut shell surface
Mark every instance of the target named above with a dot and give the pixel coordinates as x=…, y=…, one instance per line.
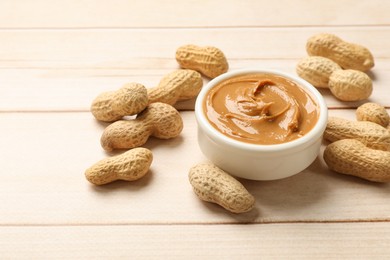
x=350, y=85
x=316, y=70
x=352, y=157
x=208, y=60
x=158, y=119
x=211, y=184
x=347, y=55
x=373, y=112
x=129, y=166
x=369, y=133
x=129, y=100
x=176, y=86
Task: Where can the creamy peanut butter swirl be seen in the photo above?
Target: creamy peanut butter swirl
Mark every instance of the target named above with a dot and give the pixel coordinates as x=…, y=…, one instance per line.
x=261, y=109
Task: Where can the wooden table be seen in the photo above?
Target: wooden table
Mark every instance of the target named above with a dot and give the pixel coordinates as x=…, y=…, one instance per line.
x=56, y=56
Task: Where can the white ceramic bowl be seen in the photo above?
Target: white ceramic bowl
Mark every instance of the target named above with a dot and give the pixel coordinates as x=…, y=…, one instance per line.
x=254, y=161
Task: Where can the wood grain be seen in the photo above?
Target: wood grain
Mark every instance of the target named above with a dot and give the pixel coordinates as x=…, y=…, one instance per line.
x=56, y=56
x=47, y=185
x=179, y=14
x=271, y=241
x=140, y=49
x=65, y=70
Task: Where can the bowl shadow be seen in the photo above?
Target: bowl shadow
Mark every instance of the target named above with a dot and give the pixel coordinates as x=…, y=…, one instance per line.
x=294, y=193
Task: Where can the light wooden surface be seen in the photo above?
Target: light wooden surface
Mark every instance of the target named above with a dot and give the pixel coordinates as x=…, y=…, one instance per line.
x=56, y=56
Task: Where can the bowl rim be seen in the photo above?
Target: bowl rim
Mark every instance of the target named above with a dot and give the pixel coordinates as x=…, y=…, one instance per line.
x=304, y=141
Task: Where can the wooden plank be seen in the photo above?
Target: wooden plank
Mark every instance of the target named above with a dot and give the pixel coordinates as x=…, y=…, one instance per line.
x=272, y=241
x=65, y=70
x=178, y=14
x=44, y=156
x=74, y=89
x=134, y=48
x=56, y=57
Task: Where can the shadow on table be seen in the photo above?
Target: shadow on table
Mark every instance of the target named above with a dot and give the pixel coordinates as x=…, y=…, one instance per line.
x=315, y=194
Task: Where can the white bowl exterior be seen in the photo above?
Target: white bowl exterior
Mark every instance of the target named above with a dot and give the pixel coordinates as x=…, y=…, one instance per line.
x=254, y=165
x=259, y=162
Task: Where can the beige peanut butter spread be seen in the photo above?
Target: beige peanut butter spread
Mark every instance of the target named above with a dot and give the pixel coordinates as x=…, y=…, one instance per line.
x=261, y=109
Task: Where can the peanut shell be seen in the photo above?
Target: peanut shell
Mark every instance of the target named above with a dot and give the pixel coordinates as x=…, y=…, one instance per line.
x=158, y=119
x=212, y=184
x=369, y=133
x=208, y=60
x=373, y=112
x=129, y=100
x=176, y=86
x=316, y=70
x=129, y=166
x=347, y=55
x=350, y=85
x=352, y=157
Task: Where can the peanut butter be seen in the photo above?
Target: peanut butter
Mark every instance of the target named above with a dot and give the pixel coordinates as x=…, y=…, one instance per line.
x=261, y=109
